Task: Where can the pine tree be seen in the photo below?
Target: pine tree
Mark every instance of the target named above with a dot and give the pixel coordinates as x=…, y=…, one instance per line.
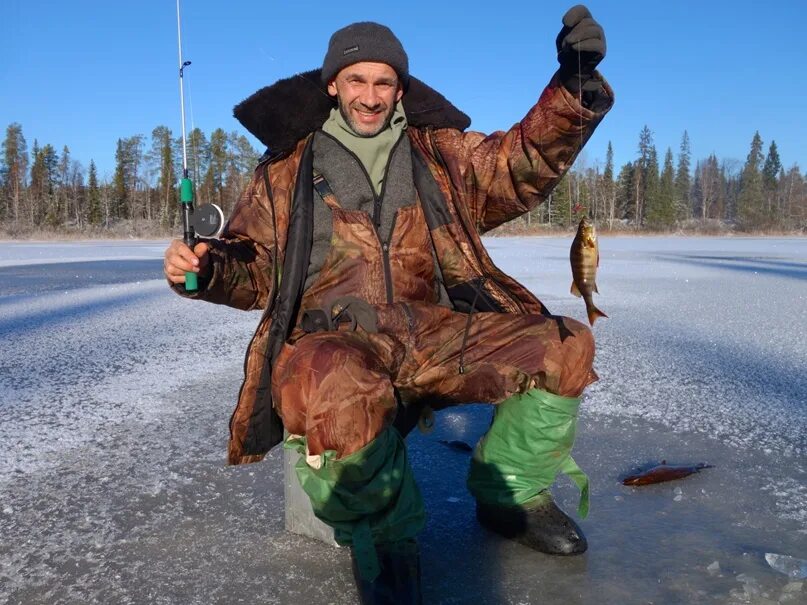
x=625, y=190
x=120, y=186
x=709, y=183
x=198, y=155
x=213, y=184
x=63, y=193
x=608, y=186
x=77, y=194
x=169, y=209
x=15, y=167
x=134, y=160
x=641, y=176
x=241, y=161
x=750, y=202
x=661, y=213
x=161, y=159
x=794, y=203
x=770, y=183
x=43, y=178
x=731, y=174
x=683, y=203
x=36, y=190
x=696, y=191
x=652, y=188
x=51, y=161
x=562, y=196
x=94, y=216
x=126, y=203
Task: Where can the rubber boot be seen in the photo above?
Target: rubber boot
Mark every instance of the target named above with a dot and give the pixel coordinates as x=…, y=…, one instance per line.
x=541, y=526
x=371, y=500
x=528, y=444
x=399, y=580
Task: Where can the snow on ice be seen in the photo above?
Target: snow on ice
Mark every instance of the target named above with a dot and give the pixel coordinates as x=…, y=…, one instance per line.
x=115, y=396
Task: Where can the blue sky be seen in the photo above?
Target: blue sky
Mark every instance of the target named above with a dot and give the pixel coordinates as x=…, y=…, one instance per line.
x=85, y=73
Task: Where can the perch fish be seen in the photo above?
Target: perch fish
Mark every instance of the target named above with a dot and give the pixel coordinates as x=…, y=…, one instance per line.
x=585, y=258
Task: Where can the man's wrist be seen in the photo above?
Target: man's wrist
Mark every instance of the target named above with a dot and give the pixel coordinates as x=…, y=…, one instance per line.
x=589, y=89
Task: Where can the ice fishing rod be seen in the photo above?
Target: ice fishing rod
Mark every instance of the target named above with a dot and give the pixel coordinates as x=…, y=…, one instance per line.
x=207, y=220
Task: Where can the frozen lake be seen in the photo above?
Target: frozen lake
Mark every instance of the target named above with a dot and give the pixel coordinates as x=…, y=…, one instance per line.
x=115, y=396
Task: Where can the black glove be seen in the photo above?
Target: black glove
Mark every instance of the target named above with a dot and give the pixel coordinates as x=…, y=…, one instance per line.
x=581, y=46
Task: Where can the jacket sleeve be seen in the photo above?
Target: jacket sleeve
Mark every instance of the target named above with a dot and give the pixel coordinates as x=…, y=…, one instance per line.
x=242, y=259
x=506, y=174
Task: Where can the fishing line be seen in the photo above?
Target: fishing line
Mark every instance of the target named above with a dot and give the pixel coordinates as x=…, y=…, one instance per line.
x=194, y=140
x=182, y=66
x=580, y=100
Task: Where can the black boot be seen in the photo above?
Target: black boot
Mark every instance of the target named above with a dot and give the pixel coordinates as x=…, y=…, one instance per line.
x=542, y=526
x=399, y=580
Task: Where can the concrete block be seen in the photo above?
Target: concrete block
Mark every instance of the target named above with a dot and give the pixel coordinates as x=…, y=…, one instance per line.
x=300, y=517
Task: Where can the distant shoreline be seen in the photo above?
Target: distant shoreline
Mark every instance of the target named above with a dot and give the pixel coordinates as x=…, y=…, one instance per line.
x=61, y=237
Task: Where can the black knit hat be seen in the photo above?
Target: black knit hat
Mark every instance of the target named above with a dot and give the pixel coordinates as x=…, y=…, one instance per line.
x=365, y=41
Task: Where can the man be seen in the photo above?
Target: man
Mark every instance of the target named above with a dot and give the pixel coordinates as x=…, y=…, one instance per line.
x=359, y=236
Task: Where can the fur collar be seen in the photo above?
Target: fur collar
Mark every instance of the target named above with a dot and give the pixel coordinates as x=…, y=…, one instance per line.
x=283, y=113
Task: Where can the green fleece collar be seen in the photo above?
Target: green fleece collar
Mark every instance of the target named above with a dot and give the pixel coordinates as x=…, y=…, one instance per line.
x=373, y=152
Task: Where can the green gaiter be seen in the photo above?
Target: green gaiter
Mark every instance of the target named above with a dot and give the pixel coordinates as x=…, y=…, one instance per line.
x=529, y=442
x=368, y=497
x=373, y=152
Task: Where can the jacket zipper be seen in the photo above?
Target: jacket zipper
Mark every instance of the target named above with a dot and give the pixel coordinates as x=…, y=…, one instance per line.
x=377, y=211
x=385, y=256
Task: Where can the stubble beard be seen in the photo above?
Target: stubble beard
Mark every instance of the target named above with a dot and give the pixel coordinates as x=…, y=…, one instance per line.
x=356, y=128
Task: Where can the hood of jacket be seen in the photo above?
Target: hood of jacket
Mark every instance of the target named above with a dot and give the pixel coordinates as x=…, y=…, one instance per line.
x=281, y=114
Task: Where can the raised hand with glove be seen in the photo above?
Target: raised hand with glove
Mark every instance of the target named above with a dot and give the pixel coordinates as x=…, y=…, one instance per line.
x=581, y=47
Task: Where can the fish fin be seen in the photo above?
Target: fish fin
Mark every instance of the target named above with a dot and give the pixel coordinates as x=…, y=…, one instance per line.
x=575, y=290
x=595, y=288
x=594, y=313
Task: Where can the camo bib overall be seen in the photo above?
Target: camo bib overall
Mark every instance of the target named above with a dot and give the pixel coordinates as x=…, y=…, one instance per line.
x=337, y=387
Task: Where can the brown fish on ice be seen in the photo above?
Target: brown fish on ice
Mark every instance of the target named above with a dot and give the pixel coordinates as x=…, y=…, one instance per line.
x=585, y=258
x=663, y=472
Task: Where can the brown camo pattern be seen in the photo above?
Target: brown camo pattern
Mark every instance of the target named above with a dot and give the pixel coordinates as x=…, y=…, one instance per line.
x=486, y=181
x=355, y=262
x=337, y=387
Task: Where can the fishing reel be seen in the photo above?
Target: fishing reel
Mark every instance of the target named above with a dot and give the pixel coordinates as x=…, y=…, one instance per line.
x=206, y=222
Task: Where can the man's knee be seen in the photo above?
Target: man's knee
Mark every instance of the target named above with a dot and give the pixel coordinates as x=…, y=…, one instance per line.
x=332, y=388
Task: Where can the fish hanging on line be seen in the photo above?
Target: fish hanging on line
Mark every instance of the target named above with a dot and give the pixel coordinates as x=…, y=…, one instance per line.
x=663, y=472
x=585, y=258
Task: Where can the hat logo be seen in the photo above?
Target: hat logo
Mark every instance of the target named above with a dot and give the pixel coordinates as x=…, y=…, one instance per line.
x=350, y=50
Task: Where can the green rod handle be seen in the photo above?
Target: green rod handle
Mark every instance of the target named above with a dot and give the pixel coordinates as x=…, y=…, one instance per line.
x=191, y=281
x=186, y=199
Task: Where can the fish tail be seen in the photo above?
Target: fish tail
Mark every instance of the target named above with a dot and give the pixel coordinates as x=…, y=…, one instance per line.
x=593, y=314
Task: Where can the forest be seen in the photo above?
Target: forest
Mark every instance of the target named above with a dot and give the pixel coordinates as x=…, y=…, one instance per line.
x=46, y=192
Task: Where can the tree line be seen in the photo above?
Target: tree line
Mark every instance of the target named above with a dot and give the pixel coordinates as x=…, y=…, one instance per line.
x=760, y=195
x=50, y=190
x=46, y=190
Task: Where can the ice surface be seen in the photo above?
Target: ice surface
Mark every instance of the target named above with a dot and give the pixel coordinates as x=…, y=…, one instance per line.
x=115, y=396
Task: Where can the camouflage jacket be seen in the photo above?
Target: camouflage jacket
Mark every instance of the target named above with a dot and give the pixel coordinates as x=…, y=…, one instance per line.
x=468, y=183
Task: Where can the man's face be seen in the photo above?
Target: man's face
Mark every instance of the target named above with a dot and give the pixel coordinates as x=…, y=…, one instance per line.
x=367, y=93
